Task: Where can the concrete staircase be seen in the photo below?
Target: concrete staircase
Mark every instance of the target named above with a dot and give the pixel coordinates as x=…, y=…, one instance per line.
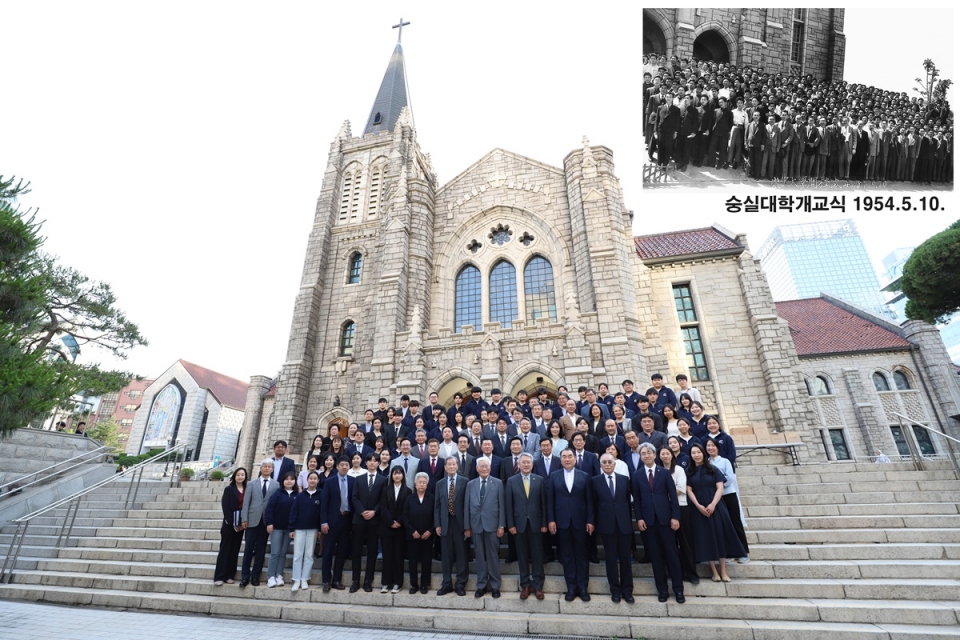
x=849, y=550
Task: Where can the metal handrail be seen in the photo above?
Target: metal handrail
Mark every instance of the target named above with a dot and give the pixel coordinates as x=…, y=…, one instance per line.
x=915, y=453
x=98, y=450
x=73, y=505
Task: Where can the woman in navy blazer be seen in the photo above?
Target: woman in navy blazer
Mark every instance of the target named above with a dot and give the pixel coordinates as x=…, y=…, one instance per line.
x=724, y=442
x=698, y=420
x=231, y=532
x=305, y=527
x=392, y=533
x=277, y=517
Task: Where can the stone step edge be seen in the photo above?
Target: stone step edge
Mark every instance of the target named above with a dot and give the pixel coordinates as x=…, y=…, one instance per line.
x=454, y=620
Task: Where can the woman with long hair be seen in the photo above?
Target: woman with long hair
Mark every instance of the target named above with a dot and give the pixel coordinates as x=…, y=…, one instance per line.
x=316, y=448
x=277, y=518
x=356, y=460
x=698, y=420
x=375, y=432
x=596, y=421
x=312, y=464
x=392, y=532
x=725, y=443
x=555, y=434
x=731, y=496
x=383, y=468
x=336, y=447
x=684, y=402
x=668, y=461
x=686, y=438
x=683, y=460
x=231, y=529
x=714, y=538
x=669, y=415
x=304, y=529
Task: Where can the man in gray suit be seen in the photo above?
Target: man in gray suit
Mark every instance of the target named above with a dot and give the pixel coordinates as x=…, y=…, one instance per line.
x=486, y=518
x=449, y=516
x=251, y=517
x=406, y=462
x=527, y=520
x=529, y=438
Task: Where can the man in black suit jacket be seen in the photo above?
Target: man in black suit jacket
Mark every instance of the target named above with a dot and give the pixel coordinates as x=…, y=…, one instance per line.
x=367, y=493
x=668, y=125
x=509, y=467
x=282, y=465
x=657, y=511
x=526, y=499
x=335, y=522
x=612, y=437
x=543, y=466
x=451, y=521
x=486, y=451
x=570, y=516
x=432, y=464
x=611, y=502
x=585, y=461
x=359, y=445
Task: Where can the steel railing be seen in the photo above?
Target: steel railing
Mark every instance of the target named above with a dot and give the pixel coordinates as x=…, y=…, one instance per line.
x=72, y=502
x=48, y=472
x=915, y=454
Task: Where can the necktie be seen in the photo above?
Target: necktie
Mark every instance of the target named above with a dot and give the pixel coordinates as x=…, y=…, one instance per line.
x=264, y=487
x=613, y=490
x=503, y=441
x=450, y=497
x=524, y=441
x=650, y=477
x=343, y=494
x=546, y=465
x=370, y=482
x=421, y=451
x=579, y=460
x=463, y=462
x=483, y=489
x=433, y=466
x=405, y=468
x=476, y=444
x=526, y=485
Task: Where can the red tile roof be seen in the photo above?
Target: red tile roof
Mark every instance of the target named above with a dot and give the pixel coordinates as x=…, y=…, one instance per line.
x=229, y=391
x=681, y=243
x=820, y=327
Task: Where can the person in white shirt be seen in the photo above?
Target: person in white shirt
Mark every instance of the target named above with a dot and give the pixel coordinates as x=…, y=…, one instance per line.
x=685, y=387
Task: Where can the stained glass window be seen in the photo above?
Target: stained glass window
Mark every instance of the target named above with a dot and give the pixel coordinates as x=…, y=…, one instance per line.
x=346, y=339
x=467, y=298
x=538, y=289
x=503, y=294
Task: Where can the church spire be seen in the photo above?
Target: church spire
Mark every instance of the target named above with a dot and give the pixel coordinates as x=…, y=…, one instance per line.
x=393, y=94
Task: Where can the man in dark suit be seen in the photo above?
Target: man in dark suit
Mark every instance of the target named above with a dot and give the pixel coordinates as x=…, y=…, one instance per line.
x=657, y=511
x=486, y=451
x=704, y=127
x=501, y=439
x=612, y=437
x=543, y=466
x=584, y=460
x=450, y=518
x=463, y=457
x=722, y=123
x=756, y=143
x=686, y=140
x=281, y=464
x=611, y=503
x=485, y=508
x=335, y=522
x=509, y=467
x=570, y=516
x=526, y=501
x=476, y=403
x=432, y=464
x=255, y=527
x=359, y=445
x=631, y=455
x=366, y=495
x=668, y=125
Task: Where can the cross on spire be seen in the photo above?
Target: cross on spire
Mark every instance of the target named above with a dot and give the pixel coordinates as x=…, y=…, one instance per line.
x=400, y=27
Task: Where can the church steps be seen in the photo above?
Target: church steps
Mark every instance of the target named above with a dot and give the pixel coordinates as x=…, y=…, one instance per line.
x=904, y=486
x=841, y=536
x=853, y=522
x=649, y=617
x=907, y=508
x=861, y=497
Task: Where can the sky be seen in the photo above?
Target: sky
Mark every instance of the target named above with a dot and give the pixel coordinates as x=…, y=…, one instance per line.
x=176, y=149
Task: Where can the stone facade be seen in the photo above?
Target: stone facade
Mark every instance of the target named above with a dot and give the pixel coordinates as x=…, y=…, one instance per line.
x=752, y=37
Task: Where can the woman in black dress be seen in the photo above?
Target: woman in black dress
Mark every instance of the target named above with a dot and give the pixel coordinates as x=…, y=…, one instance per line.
x=714, y=538
x=392, y=533
x=231, y=531
x=418, y=520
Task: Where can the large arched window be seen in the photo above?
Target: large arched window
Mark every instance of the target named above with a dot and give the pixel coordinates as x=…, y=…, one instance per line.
x=346, y=339
x=468, y=298
x=880, y=382
x=503, y=294
x=818, y=386
x=356, y=266
x=538, y=289
x=901, y=380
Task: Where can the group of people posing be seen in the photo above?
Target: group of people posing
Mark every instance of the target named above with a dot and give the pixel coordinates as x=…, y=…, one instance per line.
x=792, y=127
x=552, y=479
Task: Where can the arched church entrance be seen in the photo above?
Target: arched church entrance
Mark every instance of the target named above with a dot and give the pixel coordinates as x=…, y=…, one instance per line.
x=711, y=45
x=654, y=40
x=456, y=385
x=340, y=423
x=533, y=381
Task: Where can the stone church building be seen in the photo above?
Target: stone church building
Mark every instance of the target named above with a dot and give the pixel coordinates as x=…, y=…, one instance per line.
x=520, y=274
x=787, y=41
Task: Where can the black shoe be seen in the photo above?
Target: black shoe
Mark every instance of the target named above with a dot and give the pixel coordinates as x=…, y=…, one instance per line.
x=585, y=596
x=680, y=598
x=424, y=590
x=461, y=591
x=354, y=587
x=339, y=586
x=244, y=583
x=694, y=579
x=511, y=558
x=495, y=593
x=444, y=591
x=255, y=582
x=594, y=560
x=413, y=590
x=616, y=599
x=368, y=588
x=326, y=587
x=570, y=597
x=628, y=599
x=645, y=559
x=662, y=597
x=479, y=593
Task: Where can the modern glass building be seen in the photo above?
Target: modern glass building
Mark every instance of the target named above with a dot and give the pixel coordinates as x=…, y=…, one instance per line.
x=805, y=260
x=893, y=269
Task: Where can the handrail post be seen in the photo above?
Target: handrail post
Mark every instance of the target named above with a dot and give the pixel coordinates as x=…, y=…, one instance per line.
x=908, y=436
x=13, y=553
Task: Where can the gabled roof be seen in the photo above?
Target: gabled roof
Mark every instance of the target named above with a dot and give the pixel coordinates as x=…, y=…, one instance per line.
x=392, y=96
x=230, y=392
x=821, y=326
x=692, y=243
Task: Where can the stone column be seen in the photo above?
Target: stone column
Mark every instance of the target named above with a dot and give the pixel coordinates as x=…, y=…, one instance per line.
x=938, y=376
x=867, y=419
x=252, y=415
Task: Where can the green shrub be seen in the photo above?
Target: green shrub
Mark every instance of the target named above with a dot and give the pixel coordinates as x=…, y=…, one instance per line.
x=187, y=472
x=216, y=475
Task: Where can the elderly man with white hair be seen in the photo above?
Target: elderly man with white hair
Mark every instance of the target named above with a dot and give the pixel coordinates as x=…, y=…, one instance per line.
x=251, y=516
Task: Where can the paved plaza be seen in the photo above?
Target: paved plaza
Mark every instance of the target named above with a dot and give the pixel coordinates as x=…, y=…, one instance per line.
x=45, y=621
